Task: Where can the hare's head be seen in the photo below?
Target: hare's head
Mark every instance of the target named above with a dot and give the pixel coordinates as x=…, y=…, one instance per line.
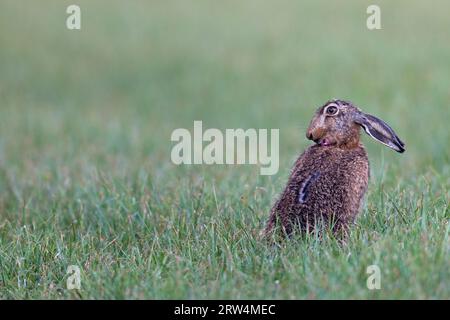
x=338, y=123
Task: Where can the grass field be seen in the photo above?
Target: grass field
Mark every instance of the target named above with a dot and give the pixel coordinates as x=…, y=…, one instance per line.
x=85, y=124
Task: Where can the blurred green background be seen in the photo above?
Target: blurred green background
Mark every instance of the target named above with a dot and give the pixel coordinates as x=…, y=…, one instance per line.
x=86, y=118
x=138, y=70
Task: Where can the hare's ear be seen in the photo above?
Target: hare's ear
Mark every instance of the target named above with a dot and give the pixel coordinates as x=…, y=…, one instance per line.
x=380, y=131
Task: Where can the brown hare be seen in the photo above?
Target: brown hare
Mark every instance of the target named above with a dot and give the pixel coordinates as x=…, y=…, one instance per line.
x=328, y=181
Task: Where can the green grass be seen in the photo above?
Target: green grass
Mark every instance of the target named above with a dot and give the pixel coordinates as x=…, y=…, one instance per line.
x=85, y=123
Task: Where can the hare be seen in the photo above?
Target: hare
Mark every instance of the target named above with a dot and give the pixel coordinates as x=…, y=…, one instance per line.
x=328, y=181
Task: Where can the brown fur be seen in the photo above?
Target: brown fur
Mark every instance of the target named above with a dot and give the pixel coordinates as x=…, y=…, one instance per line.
x=329, y=180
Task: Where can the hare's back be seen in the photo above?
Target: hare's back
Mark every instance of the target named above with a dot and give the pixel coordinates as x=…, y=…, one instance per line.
x=332, y=181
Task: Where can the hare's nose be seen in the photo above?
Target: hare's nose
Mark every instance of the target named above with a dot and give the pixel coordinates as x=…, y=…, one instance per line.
x=309, y=135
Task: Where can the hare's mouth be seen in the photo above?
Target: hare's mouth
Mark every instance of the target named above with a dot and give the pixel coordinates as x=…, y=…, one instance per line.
x=325, y=142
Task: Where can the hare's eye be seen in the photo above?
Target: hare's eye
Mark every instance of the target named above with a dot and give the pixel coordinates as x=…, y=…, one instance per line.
x=331, y=110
